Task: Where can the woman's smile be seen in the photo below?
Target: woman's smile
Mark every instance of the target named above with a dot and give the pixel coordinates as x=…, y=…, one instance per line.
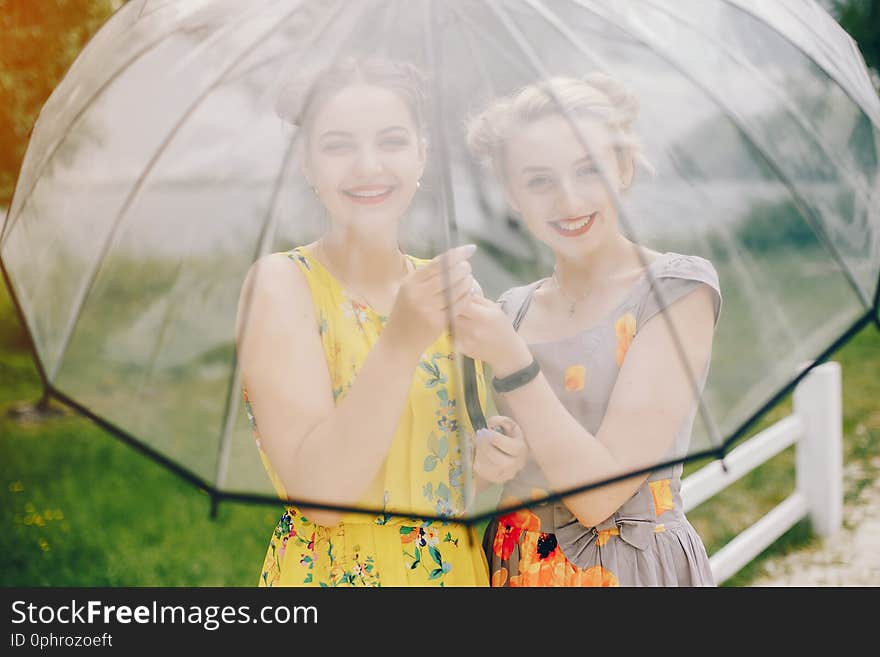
x=369, y=194
x=574, y=226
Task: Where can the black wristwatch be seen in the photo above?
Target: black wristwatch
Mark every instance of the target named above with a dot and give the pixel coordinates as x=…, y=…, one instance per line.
x=517, y=379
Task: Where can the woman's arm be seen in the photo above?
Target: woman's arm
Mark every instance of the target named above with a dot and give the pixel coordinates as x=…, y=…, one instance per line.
x=322, y=451
x=651, y=398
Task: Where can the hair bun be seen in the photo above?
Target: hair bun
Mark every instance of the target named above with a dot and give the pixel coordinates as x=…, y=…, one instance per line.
x=486, y=130
x=621, y=98
x=596, y=95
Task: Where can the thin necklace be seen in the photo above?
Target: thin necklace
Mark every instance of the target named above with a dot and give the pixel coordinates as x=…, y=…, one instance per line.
x=573, y=302
x=353, y=293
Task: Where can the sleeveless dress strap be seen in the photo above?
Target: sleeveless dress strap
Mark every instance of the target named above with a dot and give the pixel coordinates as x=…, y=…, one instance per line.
x=520, y=299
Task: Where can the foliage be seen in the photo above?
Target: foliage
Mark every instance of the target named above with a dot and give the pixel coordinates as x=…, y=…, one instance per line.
x=774, y=225
x=40, y=41
x=861, y=18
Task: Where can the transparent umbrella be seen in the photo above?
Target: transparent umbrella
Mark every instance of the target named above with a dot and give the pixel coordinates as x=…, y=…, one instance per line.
x=159, y=171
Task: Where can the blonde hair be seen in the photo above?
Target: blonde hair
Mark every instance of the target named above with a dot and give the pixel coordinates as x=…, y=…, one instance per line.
x=597, y=96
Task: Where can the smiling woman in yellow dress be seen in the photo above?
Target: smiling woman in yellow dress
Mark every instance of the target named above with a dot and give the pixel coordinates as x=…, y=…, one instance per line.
x=346, y=359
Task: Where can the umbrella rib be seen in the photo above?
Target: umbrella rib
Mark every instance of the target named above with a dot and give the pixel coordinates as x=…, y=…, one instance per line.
x=472, y=520
x=267, y=235
x=12, y=220
x=83, y=292
x=565, y=31
x=469, y=520
x=487, y=82
x=232, y=395
x=432, y=49
x=854, y=181
x=471, y=29
x=612, y=192
x=876, y=307
x=472, y=49
x=799, y=203
x=166, y=320
x=486, y=36
x=466, y=366
x=246, y=71
x=18, y=301
x=126, y=437
x=874, y=116
x=865, y=193
x=390, y=18
x=721, y=450
x=806, y=212
x=743, y=268
x=157, y=5
x=267, y=500
x=741, y=430
x=558, y=496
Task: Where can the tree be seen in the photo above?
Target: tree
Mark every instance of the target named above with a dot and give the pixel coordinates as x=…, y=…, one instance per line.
x=861, y=19
x=39, y=43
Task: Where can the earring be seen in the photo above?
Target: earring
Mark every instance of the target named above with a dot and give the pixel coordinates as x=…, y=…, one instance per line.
x=418, y=184
x=315, y=190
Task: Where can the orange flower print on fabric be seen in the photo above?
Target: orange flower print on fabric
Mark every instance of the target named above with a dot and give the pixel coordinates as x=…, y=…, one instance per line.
x=574, y=378
x=662, y=494
x=506, y=538
x=511, y=527
x=522, y=519
x=597, y=576
x=542, y=563
x=541, y=573
x=499, y=577
x=625, y=330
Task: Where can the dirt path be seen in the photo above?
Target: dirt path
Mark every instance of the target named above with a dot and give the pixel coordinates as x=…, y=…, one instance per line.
x=849, y=558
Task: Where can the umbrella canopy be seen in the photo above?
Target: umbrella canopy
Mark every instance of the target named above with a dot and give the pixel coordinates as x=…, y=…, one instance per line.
x=159, y=171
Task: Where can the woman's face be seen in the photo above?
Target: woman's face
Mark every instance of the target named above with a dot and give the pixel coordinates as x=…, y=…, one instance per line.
x=556, y=186
x=365, y=157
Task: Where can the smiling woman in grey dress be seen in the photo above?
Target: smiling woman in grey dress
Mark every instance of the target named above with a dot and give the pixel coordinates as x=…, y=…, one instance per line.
x=612, y=392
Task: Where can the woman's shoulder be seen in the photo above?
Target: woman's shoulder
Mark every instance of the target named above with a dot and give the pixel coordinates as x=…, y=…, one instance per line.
x=274, y=278
x=271, y=287
x=692, y=267
x=279, y=265
x=675, y=275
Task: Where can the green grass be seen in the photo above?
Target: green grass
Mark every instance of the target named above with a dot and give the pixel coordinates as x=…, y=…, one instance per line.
x=80, y=508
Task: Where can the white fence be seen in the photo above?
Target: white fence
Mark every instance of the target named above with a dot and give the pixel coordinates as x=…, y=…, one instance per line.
x=816, y=427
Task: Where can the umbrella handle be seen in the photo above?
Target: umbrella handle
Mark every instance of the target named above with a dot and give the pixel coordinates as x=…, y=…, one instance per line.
x=471, y=395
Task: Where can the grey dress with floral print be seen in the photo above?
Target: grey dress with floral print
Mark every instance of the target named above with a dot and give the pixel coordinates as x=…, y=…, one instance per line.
x=648, y=541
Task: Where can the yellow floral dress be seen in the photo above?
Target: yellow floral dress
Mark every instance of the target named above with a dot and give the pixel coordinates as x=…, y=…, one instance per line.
x=422, y=474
